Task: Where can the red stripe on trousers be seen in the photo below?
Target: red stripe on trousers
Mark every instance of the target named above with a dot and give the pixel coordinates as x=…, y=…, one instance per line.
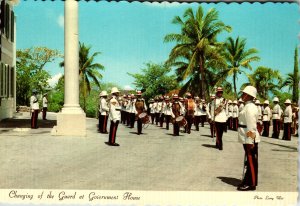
x=249, y=156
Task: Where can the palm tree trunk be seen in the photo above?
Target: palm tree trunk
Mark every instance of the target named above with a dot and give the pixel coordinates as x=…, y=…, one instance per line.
x=201, y=67
x=234, y=84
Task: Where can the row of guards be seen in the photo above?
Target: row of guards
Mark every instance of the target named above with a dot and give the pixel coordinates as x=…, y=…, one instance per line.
x=248, y=116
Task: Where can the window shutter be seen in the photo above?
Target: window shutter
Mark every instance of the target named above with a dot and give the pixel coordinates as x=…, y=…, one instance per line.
x=12, y=26
x=2, y=16
x=7, y=21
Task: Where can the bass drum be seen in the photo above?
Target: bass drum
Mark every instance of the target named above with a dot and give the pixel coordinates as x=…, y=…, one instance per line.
x=181, y=121
x=144, y=117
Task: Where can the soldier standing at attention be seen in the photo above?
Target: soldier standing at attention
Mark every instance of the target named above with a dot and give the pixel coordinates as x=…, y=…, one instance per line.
x=276, y=114
x=114, y=116
x=140, y=107
x=220, y=118
x=266, y=118
x=34, y=105
x=249, y=137
x=103, y=113
x=287, y=121
x=45, y=105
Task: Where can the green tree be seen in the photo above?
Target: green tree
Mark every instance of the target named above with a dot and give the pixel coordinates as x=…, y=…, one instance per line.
x=88, y=71
x=197, y=42
x=238, y=57
x=266, y=80
x=154, y=80
x=31, y=73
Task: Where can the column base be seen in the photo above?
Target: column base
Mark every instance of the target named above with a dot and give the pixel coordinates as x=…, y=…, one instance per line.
x=70, y=125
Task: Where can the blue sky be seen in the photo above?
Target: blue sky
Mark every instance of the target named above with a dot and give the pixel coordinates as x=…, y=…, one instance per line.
x=131, y=34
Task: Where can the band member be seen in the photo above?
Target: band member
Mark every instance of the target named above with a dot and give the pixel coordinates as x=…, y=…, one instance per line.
x=249, y=137
x=190, y=109
x=103, y=112
x=203, y=113
x=132, y=111
x=34, y=106
x=235, y=115
x=158, y=109
x=295, y=118
x=210, y=116
x=123, y=109
x=288, y=115
x=152, y=110
x=114, y=116
x=259, y=122
x=197, y=113
x=182, y=108
x=45, y=106
x=267, y=115
x=128, y=108
x=140, y=107
x=276, y=114
x=176, y=107
x=161, y=114
x=241, y=105
x=167, y=111
x=229, y=115
x=219, y=116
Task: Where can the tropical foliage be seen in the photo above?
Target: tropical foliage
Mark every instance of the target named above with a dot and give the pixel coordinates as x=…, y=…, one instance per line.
x=196, y=47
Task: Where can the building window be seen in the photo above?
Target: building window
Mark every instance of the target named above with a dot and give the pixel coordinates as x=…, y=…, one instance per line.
x=7, y=22
x=11, y=81
x=12, y=28
x=6, y=81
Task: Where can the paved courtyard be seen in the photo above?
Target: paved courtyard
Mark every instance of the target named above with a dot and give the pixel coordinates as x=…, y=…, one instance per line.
x=155, y=160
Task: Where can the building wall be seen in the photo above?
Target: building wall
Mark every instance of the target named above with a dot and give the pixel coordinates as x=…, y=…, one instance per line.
x=7, y=60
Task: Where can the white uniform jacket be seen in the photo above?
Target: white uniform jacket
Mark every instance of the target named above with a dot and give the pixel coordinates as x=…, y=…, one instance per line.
x=288, y=114
x=103, y=107
x=34, y=103
x=267, y=114
x=221, y=117
x=276, y=113
x=241, y=107
x=158, y=107
x=152, y=109
x=132, y=107
x=45, y=102
x=259, y=113
x=230, y=110
x=247, y=122
x=114, y=112
x=235, y=111
x=197, y=111
x=168, y=109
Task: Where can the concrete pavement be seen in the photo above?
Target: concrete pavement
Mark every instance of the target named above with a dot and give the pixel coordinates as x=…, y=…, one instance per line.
x=154, y=160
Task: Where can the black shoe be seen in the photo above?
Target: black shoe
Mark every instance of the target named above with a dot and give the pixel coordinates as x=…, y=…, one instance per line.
x=246, y=188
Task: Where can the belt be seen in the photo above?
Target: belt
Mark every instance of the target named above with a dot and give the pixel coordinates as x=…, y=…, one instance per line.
x=275, y=113
x=242, y=126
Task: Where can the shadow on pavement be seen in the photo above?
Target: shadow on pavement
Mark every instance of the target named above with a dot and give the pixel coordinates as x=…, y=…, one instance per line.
x=25, y=123
x=209, y=145
x=205, y=135
x=230, y=180
x=280, y=145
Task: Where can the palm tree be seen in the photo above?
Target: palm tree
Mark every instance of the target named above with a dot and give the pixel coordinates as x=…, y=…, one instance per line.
x=197, y=41
x=289, y=82
x=238, y=57
x=265, y=80
x=88, y=71
x=296, y=77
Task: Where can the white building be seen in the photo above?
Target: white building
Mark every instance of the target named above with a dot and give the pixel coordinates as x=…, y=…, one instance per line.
x=7, y=60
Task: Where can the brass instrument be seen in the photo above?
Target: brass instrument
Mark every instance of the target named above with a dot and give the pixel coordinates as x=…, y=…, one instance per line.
x=220, y=107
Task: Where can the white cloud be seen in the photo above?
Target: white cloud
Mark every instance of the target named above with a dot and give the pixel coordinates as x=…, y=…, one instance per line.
x=128, y=88
x=54, y=79
x=61, y=20
x=163, y=4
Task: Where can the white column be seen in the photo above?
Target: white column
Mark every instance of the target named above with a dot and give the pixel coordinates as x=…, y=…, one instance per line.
x=71, y=58
x=72, y=120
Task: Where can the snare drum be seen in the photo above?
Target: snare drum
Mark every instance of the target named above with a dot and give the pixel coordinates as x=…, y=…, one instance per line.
x=181, y=121
x=144, y=117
